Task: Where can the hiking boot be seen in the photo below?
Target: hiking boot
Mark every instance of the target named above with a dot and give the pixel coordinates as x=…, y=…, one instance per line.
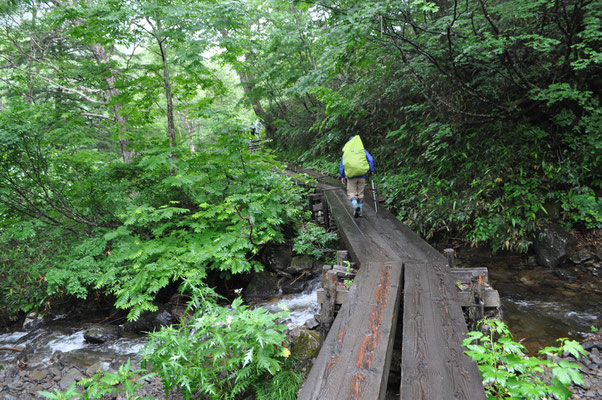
x=357, y=213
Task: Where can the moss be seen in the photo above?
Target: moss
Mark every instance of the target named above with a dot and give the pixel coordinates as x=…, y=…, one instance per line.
x=305, y=344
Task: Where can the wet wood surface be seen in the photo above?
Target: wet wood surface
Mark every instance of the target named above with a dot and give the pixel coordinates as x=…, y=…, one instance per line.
x=355, y=357
x=433, y=363
x=400, y=276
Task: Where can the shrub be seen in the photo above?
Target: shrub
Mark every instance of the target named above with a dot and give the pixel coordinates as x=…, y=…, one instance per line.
x=509, y=374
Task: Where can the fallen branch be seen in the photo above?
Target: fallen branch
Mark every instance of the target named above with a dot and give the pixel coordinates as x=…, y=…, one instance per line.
x=12, y=348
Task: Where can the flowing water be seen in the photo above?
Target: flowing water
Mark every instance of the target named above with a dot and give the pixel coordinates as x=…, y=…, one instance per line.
x=302, y=306
x=57, y=338
x=61, y=338
x=539, y=307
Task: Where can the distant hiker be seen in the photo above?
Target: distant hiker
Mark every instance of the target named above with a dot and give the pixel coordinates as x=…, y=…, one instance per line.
x=356, y=164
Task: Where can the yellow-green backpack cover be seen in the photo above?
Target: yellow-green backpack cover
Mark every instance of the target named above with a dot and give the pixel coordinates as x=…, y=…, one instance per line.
x=354, y=158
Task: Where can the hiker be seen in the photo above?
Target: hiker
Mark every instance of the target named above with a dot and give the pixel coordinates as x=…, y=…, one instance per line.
x=356, y=164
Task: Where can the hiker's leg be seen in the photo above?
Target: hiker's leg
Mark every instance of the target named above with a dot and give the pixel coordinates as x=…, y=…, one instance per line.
x=361, y=185
x=350, y=189
x=354, y=195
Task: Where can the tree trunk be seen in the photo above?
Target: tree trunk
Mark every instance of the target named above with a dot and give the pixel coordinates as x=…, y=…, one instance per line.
x=171, y=126
x=127, y=150
x=246, y=81
x=189, y=128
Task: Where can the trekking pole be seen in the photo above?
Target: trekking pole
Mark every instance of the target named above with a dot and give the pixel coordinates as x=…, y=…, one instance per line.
x=374, y=196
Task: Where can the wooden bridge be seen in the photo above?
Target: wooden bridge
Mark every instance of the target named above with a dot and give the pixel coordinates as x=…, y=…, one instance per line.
x=402, y=282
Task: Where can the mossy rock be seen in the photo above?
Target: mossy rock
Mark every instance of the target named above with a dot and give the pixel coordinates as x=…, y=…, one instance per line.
x=304, y=344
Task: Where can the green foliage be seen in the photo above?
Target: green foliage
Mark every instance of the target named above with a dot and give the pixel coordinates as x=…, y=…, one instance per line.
x=509, y=374
x=313, y=240
x=474, y=132
x=218, y=351
x=284, y=385
x=208, y=210
x=349, y=274
x=124, y=383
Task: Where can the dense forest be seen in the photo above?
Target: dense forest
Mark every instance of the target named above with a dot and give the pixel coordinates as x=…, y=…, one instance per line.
x=124, y=128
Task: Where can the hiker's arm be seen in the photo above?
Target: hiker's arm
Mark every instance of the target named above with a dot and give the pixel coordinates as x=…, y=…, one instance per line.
x=370, y=161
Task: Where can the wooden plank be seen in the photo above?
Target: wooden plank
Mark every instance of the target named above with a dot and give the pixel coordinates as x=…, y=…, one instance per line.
x=492, y=298
x=353, y=363
x=465, y=275
x=362, y=238
x=433, y=364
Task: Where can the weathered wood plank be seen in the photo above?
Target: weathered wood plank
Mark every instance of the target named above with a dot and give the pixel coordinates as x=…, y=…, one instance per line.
x=433, y=365
x=492, y=299
x=361, y=236
x=465, y=275
x=354, y=360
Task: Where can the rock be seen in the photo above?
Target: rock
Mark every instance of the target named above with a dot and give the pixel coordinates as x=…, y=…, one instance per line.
x=32, y=321
x=526, y=281
x=566, y=275
x=94, y=368
x=300, y=264
x=54, y=371
x=163, y=318
x=102, y=333
x=72, y=375
x=552, y=245
x=589, y=344
x=263, y=285
x=311, y=323
x=38, y=375
x=150, y=321
x=276, y=258
x=581, y=256
x=305, y=344
x=295, y=286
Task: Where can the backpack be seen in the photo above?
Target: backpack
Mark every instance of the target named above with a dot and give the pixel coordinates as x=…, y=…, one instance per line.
x=354, y=158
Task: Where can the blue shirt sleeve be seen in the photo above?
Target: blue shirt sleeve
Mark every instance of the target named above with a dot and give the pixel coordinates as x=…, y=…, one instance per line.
x=370, y=160
x=341, y=169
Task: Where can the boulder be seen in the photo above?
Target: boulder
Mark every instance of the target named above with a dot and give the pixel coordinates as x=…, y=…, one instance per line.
x=553, y=245
x=304, y=344
x=300, y=264
x=294, y=286
x=276, y=258
x=32, y=321
x=262, y=286
x=102, y=333
x=150, y=321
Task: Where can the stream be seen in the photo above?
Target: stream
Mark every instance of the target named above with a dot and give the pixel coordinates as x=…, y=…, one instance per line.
x=538, y=305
